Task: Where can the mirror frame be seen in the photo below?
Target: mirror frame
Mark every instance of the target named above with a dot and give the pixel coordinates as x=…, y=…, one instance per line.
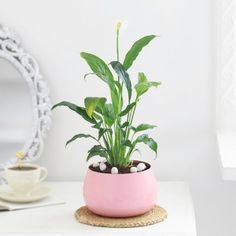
x=11, y=50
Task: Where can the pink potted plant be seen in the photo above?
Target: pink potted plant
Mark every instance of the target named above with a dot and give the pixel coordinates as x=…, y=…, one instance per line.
x=117, y=186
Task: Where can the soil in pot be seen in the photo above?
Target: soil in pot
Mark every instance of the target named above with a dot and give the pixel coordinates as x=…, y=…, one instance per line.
x=124, y=170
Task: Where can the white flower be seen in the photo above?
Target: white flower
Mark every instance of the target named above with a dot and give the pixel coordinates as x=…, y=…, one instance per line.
x=121, y=25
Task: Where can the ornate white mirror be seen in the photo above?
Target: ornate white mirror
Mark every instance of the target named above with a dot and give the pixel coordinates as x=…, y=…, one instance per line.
x=24, y=102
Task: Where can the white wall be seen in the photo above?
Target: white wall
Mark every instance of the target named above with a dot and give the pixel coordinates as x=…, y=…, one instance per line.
x=183, y=107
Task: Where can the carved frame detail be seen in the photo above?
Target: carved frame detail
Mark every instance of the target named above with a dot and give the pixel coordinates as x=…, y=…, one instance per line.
x=11, y=50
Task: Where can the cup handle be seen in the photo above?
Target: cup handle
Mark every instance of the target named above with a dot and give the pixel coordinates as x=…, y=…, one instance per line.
x=44, y=174
x=2, y=177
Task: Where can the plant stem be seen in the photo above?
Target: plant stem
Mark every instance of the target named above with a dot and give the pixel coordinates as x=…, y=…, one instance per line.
x=130, y=118
x=117, y=46
x=133, y=112
x=107, y=147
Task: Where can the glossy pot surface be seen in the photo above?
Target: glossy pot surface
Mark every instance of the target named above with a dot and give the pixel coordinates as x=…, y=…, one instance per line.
x=120, y=195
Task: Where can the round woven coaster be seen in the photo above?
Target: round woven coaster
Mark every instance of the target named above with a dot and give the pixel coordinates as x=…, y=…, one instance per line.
x=155, y=215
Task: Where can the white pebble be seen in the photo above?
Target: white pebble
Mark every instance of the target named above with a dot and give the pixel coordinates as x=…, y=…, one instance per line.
x=141, y=166
x=114, y=170
x=133, y=169
x=102, y=166
x=95, y=164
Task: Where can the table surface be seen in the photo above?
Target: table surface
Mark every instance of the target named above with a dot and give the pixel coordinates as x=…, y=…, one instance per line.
x=227, y=149
x=59, y=220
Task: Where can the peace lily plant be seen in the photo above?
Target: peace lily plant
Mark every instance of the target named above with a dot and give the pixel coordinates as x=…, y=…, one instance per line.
x=113, y=119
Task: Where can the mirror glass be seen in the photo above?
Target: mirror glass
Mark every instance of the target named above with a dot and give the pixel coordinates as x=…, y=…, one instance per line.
x=15, y=111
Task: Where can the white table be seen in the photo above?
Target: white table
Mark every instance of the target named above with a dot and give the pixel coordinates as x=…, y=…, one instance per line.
x=60, y=220
x=227, y=150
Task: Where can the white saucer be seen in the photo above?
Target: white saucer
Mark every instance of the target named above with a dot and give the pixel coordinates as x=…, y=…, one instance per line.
x=38, y=193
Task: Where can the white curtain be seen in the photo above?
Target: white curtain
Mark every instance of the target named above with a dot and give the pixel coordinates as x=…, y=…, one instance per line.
x=226, y=66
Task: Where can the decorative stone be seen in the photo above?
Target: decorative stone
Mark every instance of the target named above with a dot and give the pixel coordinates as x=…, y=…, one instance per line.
x=102, y=166
x=96, y=164
x=133, y=169
x=141, y=166
x=114, y=170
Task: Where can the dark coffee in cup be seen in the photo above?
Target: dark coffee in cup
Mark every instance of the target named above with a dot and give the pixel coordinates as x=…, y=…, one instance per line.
x=22, y=168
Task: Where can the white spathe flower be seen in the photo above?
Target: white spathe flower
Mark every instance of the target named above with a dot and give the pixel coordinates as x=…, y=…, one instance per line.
x=121, y=25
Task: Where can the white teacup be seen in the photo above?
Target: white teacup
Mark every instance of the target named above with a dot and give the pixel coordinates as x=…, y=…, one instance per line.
x=24, y=178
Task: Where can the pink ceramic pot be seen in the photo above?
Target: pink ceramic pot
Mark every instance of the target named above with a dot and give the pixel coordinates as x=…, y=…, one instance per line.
x=120, y=195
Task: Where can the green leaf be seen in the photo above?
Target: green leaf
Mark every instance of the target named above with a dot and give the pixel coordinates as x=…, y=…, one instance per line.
x=143, y=127
x=143, y=87
x=98, y=125
x=119, y=86
x=138, y=151
x=127, y=109
x=108, y=114
x=127, y=143
x=125, y=124
x=97, y=150
x=92, y=102
x=80, y=136
x=123, y=75
x=115, y=101
x=102, y=132
x=143, y=84
x=79, y=110
x=132, y=150
x=144, y=138
x=88, y=74
x=97, y=117
x=122, y=133
x=136, y=49
x=142, y=77
x=98, y=66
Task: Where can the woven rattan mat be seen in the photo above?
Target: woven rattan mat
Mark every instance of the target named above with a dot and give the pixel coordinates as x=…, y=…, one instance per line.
x=155, y=215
